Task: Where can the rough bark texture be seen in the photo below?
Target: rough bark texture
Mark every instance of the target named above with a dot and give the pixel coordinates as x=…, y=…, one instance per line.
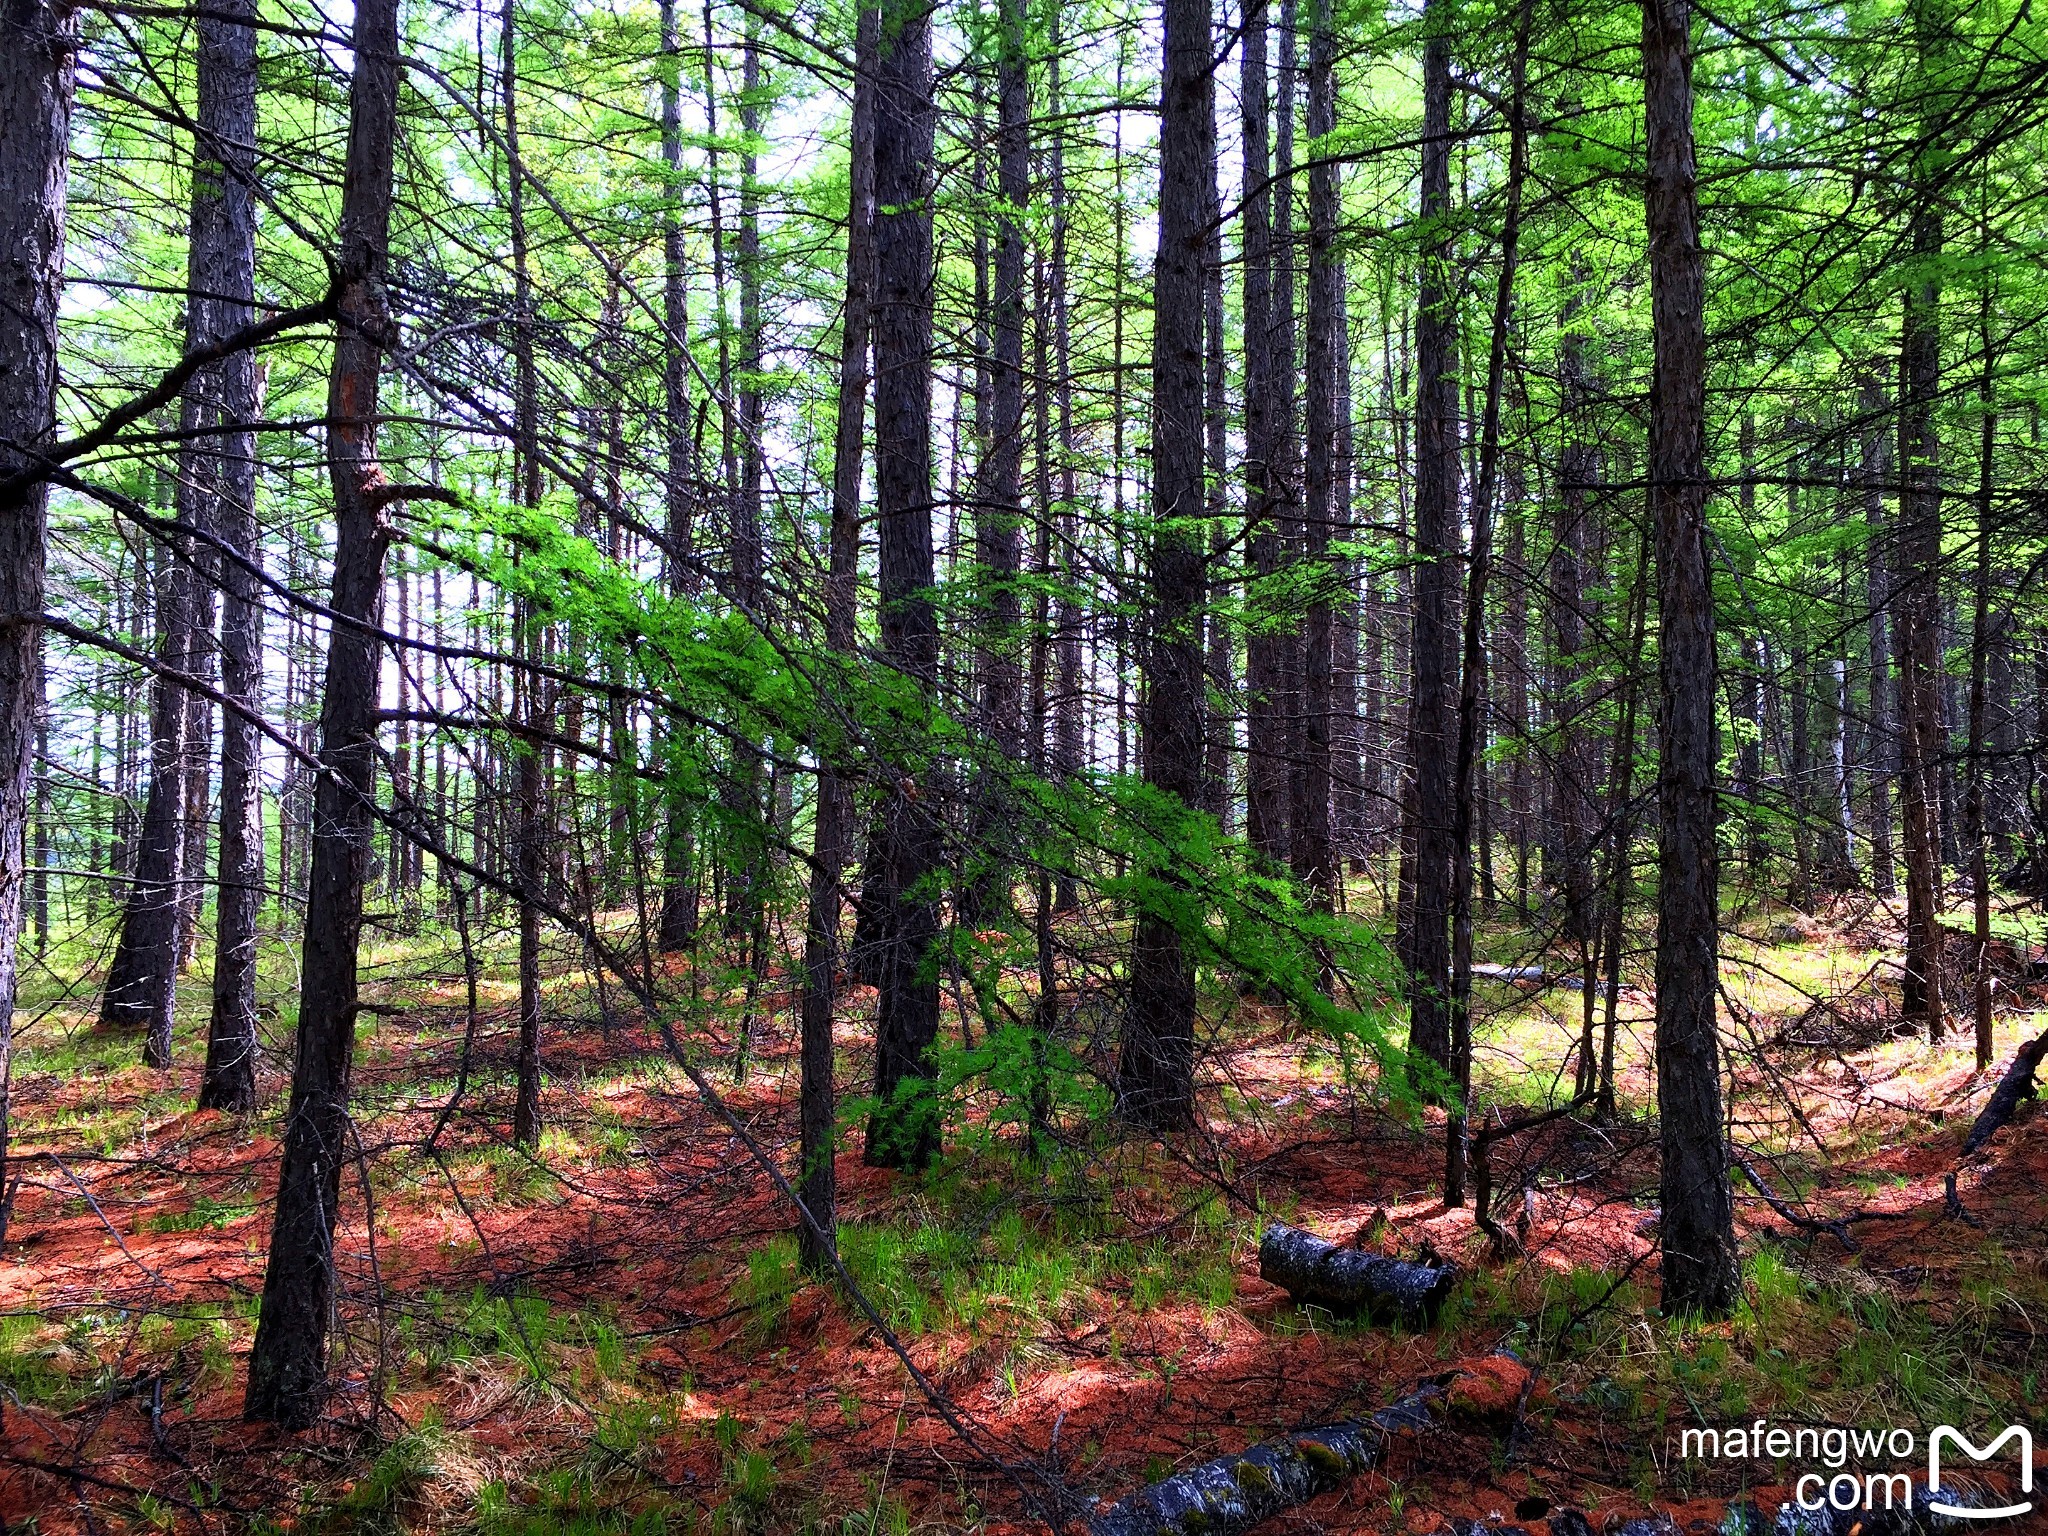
x=903, y=1131
x=37, y=52
x=1433, y=651
x=288, y=1365
x=1266, y=792
x=1698, y=1237
x=678, y=921
x=227, y=126
x=2015, y=1087
x=998, y=492
x=1310, y=1269
x=1917, y=610
x=1155, y=1075
x=817, y=1182
x=1311, y=848
x=1235, y=1493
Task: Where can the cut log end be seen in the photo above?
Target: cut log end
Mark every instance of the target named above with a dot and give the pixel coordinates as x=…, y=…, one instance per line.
x=1311, y=1269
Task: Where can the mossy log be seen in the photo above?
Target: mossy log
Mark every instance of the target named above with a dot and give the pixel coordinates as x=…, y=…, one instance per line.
x=1310, y=1269
x=1235, y=1493
x=2015, y=1087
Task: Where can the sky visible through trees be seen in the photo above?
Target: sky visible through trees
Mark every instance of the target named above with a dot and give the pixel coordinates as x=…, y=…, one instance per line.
x=1116, y=731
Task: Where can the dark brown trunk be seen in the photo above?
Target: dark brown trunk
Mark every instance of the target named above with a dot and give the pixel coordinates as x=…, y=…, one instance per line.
x=38, y=51
x=1311, y=847
x=817, y=1113
x=1266, y=771
x=1433, y=650
x=288, y=1365
x=903, y=1132
x=677, y=923
x=1917, y=614
x=1978, y=831
x=227, y=122
x=1880, y=745
x=998, y=491
x=1697, y=1231
x=1472, y=673
x=1155, y=1070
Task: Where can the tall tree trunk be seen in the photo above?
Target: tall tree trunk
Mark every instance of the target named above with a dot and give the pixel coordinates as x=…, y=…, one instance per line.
x=1472, y=670
x=38, y=53
x=817, y=1115
x=1069, y=702
x=1311, y=847
x=903, y=1132
x=529, y=692
x=1980, y=667
x=677, y=923
x=998, y=492
x=1155, y=1070
x=1918, y=595
x=1266, y=771
x=1880, y=749
x=142, y=980
x=1221, y=642
x=227, y=125
x=288, y=1365
x=1433, y=650
x=1697, y=1231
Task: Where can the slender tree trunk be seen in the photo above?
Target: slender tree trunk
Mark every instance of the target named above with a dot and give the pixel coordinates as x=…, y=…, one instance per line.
x=1433, y=650
x=904, y=1130
x=227, y=119
x=1980, y=666
x=1155, y=1071
x=677, y=924
x=1312, y=849
x=38, y=53
x=1697, y=1231
x=1880, y=749
x=1918, y=597
x=1472, y=674
x=529, y=692
x=1266, y=771
x=817, y=1115
x=999, y=505
x=288, y=1365
x=1069, y=703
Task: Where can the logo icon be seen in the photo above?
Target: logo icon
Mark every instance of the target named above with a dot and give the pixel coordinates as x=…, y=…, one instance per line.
x=2017, y=1432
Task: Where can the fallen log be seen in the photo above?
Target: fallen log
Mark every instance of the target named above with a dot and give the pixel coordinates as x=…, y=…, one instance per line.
x=1310, y=1269
x=2016, y=1086
x=1235, y=1493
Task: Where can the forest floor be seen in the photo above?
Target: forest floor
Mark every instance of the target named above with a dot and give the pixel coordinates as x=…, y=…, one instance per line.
x=610, y=1335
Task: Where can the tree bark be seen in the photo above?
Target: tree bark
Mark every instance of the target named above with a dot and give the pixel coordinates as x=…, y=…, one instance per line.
x=1698, y=1237
x=1155, y=1070
x=1265, y=773
x=1472, y=670
x=903, y=1132
x=38, y=51
x=817, y=1114
x=1311, y=847
x=227, y=124
x=1310, y=1269
x=677, y=923
x=1918, y=595
x=288, y=1365
x=998, y=491
x=1235, y=1493
x=1433, y=649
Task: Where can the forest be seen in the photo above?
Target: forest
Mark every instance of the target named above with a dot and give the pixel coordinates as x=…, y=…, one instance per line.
x=883, y=766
